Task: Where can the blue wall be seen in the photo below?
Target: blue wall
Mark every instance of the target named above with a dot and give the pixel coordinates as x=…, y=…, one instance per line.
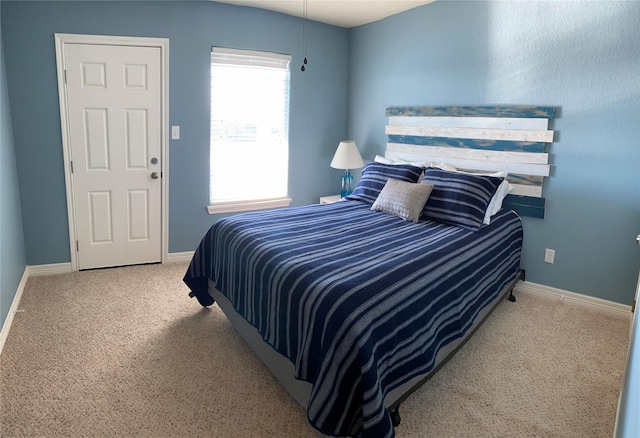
x=318, y=103
x=578, y=56
x=581, y=57
x=12, y=255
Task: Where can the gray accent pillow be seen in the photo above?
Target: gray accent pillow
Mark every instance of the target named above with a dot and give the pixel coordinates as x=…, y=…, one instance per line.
x=403, y=199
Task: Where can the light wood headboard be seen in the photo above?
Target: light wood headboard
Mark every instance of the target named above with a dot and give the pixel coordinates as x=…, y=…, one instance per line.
x=479, y=138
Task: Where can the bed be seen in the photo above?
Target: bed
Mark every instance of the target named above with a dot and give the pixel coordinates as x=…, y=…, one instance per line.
x=353, y=305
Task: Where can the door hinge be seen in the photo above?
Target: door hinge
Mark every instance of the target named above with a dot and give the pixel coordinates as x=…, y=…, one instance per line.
x=77, y=246
x=72, y=166
x=633, y=306
x=65, y=76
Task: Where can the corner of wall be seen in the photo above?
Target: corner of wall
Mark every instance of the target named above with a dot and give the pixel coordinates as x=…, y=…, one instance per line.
x=6, y=325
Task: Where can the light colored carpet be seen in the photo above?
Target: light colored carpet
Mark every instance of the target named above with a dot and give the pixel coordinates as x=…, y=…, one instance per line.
x=125, y=352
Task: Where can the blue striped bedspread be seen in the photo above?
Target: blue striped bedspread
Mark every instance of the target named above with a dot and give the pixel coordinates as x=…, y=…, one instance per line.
x=359, y=301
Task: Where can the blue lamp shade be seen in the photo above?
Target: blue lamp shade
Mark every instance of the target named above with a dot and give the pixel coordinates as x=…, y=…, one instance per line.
x=347, y=157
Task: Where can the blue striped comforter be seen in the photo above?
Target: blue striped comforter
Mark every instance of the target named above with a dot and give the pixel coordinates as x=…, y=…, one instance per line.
x=359, y=301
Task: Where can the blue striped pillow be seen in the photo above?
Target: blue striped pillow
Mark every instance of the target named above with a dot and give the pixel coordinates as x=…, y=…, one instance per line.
x=458, y=198
x=375, y=176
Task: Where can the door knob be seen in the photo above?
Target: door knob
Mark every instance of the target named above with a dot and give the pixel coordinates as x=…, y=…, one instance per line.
x=155, y=175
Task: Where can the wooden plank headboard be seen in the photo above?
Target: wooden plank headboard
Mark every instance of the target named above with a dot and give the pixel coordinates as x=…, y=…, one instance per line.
x=478, y=138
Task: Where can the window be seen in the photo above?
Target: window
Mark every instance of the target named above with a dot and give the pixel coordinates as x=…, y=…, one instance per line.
x=249, y=152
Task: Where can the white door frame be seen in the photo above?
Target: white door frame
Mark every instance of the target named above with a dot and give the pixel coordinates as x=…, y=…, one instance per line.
x=163, y=44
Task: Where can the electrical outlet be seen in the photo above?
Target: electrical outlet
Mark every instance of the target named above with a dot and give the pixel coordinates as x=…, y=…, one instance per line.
x=549, y=255
x=175, y=133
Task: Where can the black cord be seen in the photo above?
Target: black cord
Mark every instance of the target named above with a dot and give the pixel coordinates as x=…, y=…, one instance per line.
x=304, y=35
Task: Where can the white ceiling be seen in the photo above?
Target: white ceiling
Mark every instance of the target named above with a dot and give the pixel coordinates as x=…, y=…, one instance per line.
x=343, y=13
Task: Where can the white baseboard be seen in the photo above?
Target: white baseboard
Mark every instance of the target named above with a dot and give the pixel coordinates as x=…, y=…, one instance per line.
x=4, y=333
x=179, y=257
x=65, y=268
x=50, y=269
x=583, y=300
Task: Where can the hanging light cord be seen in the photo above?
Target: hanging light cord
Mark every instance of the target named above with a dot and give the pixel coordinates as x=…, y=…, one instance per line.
x=304, y=34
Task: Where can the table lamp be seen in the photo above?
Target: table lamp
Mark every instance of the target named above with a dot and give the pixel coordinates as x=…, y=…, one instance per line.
x=347, y=157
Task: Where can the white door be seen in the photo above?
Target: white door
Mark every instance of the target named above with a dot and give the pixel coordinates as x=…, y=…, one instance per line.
x=114, y=117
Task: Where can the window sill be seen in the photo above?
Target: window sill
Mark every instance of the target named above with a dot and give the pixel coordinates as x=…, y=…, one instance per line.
x=230, y=207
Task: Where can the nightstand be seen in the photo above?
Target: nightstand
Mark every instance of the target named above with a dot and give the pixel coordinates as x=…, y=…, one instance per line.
x=330, y=199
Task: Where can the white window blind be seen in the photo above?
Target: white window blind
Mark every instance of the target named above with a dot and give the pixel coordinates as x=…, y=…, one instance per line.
x=249, y=153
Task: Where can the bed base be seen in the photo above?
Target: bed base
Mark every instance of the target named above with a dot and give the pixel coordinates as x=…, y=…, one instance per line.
x=283, y=369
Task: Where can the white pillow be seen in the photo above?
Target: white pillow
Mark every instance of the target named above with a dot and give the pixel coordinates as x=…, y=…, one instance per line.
x=501, y=174
x=496, y=202
x=424, y=164
x=383, y=160
x=441, y=165
x=403, y=199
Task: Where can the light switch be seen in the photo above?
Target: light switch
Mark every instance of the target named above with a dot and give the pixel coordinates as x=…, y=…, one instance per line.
x=175, y=133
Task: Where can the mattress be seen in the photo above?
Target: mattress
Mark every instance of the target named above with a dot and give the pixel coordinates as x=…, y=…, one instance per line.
x=359, y=302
